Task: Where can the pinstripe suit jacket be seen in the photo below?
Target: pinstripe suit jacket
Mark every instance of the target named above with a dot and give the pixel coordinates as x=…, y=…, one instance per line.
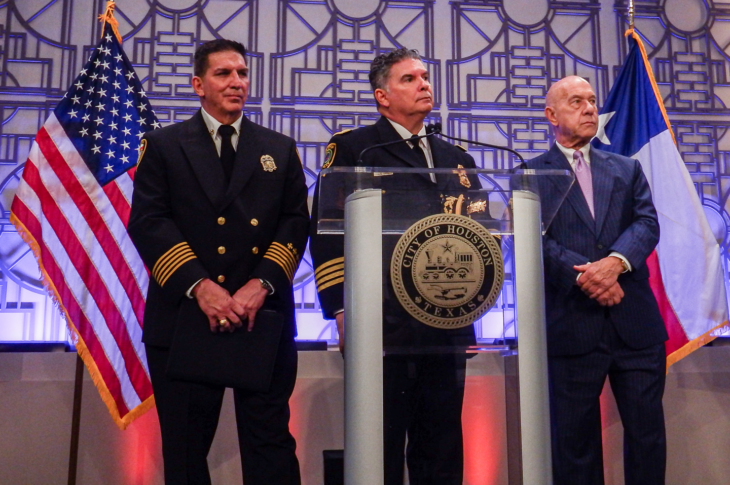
x=626, y=222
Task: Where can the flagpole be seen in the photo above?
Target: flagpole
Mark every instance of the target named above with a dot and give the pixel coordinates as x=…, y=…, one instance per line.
x=631, y=14
x=73, y=457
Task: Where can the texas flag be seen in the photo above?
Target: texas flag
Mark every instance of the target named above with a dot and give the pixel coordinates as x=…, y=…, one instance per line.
x=686, y=272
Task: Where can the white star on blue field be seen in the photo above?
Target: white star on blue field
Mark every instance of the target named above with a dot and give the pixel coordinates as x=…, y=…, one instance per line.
x=106, y=112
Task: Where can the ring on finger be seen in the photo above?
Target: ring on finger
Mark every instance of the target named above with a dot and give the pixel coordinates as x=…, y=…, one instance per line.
x=223, y=322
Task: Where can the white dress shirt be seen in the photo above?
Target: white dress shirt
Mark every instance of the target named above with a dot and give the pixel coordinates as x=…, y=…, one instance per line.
x=213, y=124
x=423, y=143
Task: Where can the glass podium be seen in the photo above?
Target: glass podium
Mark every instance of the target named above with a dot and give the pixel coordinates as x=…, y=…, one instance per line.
x=431, y=269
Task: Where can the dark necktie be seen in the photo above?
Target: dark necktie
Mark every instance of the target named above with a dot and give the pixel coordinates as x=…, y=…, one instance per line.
x=228, y=154
x=415, y=141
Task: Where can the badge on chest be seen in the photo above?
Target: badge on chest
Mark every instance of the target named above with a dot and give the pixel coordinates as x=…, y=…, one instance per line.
x=267, y=162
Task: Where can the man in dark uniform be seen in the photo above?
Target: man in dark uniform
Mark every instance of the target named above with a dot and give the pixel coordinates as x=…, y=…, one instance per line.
x=219, y=215
x=423, y=393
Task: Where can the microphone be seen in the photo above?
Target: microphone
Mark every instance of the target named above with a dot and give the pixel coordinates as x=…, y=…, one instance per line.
x=435, y=128
x=412, y=139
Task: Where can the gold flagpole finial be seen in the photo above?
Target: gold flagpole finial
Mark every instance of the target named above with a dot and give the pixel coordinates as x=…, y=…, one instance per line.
x=631, y=14
x=108, y=17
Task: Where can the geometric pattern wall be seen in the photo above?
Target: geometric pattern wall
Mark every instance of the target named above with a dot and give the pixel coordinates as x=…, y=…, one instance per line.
x=491, y=62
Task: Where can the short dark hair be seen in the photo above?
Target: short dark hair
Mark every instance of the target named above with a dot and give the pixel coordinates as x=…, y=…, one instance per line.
x=380, y=67
x=200, y=63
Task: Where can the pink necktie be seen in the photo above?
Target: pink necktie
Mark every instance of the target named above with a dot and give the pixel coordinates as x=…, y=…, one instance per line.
x=583, y=174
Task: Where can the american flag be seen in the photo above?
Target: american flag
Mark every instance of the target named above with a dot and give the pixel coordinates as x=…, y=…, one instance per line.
x=72, y=208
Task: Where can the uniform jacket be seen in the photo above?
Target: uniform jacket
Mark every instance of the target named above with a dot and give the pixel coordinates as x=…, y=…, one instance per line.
x=328, y=250
x=187, y=224
x=625, y=222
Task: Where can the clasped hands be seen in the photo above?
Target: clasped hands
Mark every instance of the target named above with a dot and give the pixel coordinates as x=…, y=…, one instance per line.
x=225, y=312
x=599, y=280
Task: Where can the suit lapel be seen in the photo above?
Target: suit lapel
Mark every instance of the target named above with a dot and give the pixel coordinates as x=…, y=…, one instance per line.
x=401, y=151
x=602, y=176
x=203, y=157
x=442, y=159
x=248, y=152
x=575, y=198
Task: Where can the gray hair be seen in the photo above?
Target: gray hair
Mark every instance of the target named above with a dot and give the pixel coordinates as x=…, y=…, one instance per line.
x=380, y=67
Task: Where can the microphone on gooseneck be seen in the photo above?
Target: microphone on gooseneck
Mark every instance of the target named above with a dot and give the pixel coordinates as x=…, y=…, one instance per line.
x=435, y=128
x=412, y=139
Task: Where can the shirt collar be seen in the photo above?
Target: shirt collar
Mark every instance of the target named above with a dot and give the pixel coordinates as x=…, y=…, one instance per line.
x=568, y=152
x=404, y=133
x=213, y=124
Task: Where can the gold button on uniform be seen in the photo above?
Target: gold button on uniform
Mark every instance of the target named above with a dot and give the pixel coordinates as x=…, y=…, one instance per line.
x=254, y=222
x=221, y=279
x=255, y=250
x=221, y=221
x=221, y=250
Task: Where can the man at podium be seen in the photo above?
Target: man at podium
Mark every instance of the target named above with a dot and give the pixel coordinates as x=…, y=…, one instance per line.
x=423, y=393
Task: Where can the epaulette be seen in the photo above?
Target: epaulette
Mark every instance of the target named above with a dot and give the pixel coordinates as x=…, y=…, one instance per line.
x=343, y=132
x=459, y=146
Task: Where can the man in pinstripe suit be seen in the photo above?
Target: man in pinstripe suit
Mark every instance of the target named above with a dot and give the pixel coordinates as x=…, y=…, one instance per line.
x=602, y=318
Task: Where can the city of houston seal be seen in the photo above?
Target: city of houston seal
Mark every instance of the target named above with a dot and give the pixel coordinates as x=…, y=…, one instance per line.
x=447, y=271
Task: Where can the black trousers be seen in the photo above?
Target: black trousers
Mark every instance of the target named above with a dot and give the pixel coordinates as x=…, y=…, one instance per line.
x=423, y=397
x=189, y=415
x=637, y=380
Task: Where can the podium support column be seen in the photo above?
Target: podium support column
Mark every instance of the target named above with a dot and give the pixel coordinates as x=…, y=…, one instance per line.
x=364, y=463
x=532, y=343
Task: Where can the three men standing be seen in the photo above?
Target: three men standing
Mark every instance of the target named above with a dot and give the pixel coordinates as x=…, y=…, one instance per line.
x=219, y=215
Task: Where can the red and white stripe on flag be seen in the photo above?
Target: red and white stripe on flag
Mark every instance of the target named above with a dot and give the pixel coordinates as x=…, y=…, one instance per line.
x=72, y=207
x=686, y=273
x=77, y=230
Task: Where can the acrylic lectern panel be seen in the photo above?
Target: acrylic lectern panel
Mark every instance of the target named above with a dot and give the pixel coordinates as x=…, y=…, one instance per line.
x=439, y=265
x=483, y=196
x=407, y=194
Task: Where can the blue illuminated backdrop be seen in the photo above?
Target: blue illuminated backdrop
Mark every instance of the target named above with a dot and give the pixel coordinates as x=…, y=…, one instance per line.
x=491, y=62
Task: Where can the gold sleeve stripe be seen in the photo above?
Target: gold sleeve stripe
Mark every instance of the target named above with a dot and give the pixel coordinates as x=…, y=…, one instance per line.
x=163, y=269
x=320, y=289
x=327, y=272
x=275, y=258
x=175, y=268
x=286, y=254
x=283, y=251
x=322, y=281
x=285, y=265
x=288, y=262
x=171, y=260
x=165, y=256
x=329, y=263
